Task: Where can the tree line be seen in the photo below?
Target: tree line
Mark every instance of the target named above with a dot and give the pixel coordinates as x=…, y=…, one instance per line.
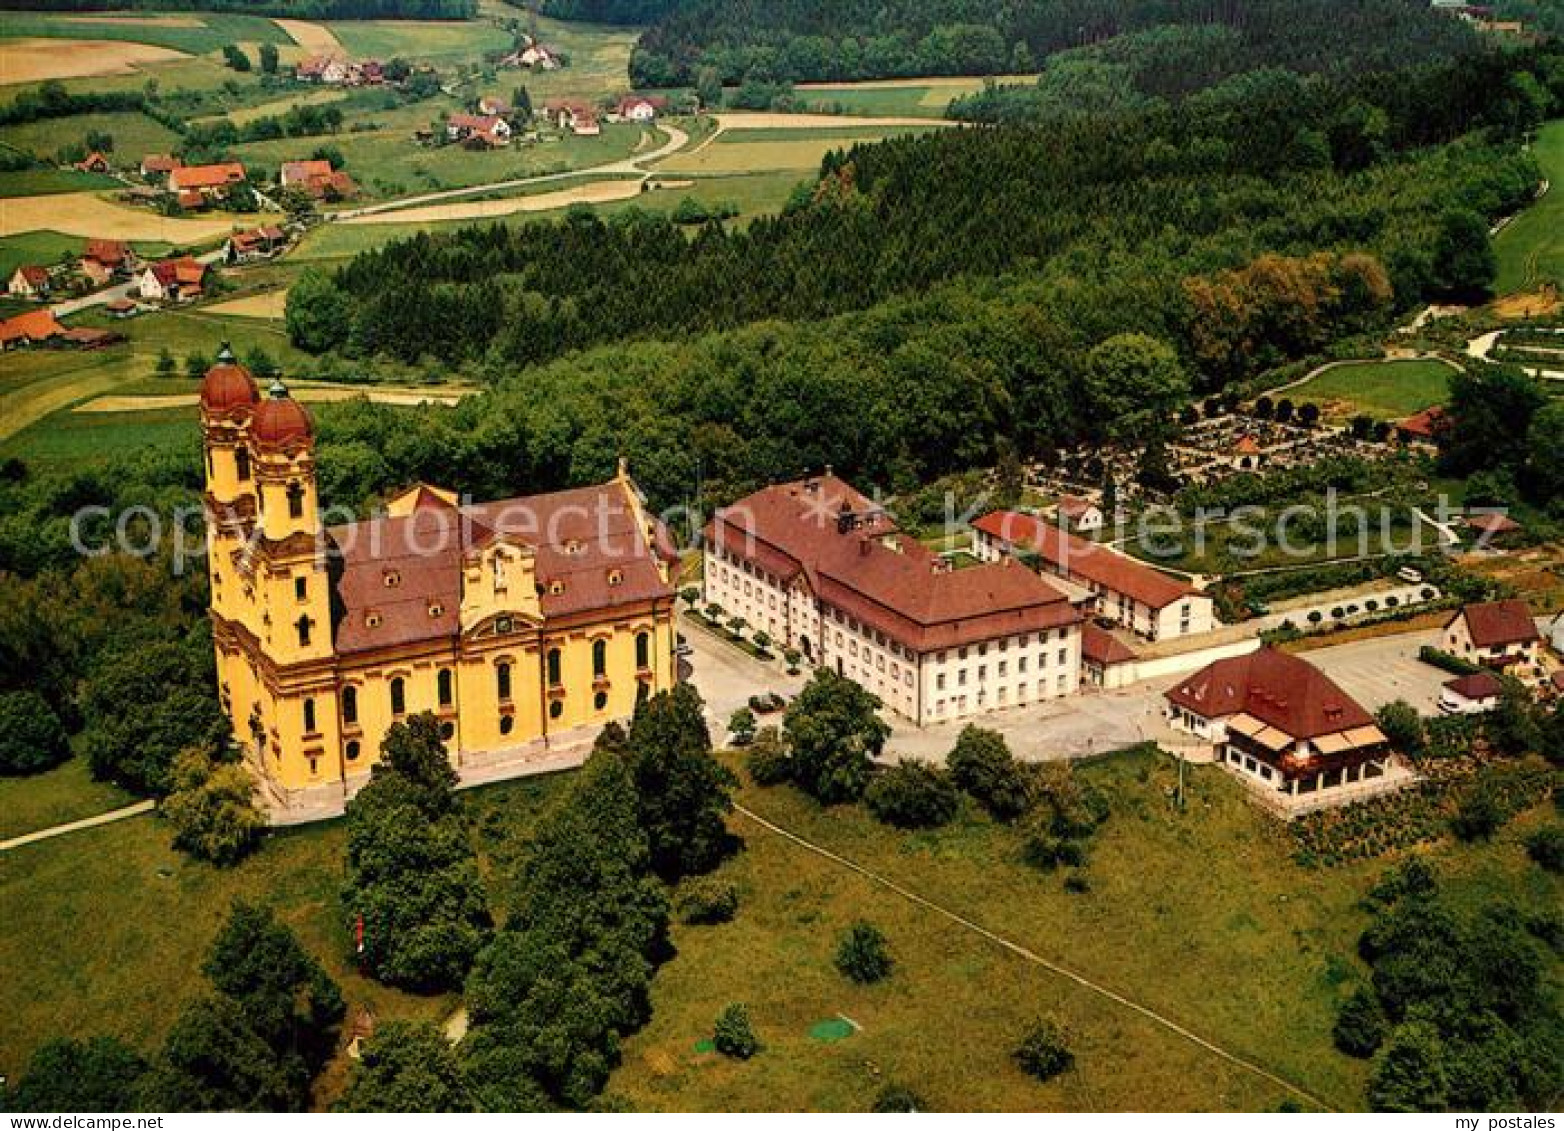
x=842, y=40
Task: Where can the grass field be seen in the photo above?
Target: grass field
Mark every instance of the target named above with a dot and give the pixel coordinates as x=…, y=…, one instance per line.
x=428, y=41
x=1201, y=916
x=65, y=793
x=134, y=135
x=44, y=182
x=765, y=150
x=1384, y=389
x=386, y=162
x=194, y=33
x=1531, y=247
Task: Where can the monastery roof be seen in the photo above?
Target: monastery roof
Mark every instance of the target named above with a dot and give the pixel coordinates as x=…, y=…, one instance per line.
x=1277, y=688
x=1103, y=648
x=853, y=557
x=1079, y=557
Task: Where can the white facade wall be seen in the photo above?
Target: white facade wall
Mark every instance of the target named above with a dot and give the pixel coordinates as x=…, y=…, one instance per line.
x=1457, y=640
x=935, y=686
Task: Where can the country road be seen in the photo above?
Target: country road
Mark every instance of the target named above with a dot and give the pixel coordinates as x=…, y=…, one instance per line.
x=677, y=139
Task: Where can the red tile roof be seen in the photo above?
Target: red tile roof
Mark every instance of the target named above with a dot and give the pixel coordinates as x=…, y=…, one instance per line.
x=1277, y=688
x=1498, y=623
x=110, y=253
x=35, y=277
x=1478, y=685
x=587, y=545
x=34, y=326
x=1492, y=524
x=1427, y=425
x=1072, y=506
x=856, y=560
x=656, y=101
x=1102, y=648
x=1079, y=558
x=205, y=176
x=296, y=172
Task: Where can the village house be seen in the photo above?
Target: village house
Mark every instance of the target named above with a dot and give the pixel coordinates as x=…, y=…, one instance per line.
x=1497, y=634
x=1422, y=429
x=122, y=307
x=1281, y=723
x=640, y=107
x=317, y=178
x=534, y=56
x=200, y=183
x=328, y=70
x=481, y=130
x=172, y=280
x=1134, y=596
x=1081, y=515
x=1556, y=635
x=493, y=105
x=104, y=259
x=158, y=165
x=574, y=115
x=820, y=568
x=254, y=245
x=1491, y=527
x=94, y=162
x=29, y=281
x=1470, y=694
x=32, y=328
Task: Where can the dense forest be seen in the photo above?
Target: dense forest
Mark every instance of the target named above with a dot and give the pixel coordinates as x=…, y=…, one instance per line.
x=295, y=9
x=1268, y=162
x=834, y=40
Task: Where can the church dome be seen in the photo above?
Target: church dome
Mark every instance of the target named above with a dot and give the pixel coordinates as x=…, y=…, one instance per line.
x=280, y=419
x=227, y=385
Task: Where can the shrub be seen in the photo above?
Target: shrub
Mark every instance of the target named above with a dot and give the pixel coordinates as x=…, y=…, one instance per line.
x=706, y=901
x=1479, y=813
x=1360, y=1025
x=912, y=795
x=768, y=760
x=733, y=1036
x=31, y=737
x=1546, y=847
x=862, y=954
x=212, y=808
x=1445, y=661
x=981, y=764
x=1077, y=883
x=741, y=726
x=1044, y=1052
x=897, y=1098
x=1403, y=726
x=1043, y=849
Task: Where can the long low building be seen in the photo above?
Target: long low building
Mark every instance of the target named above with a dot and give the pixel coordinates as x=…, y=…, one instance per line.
x=820, y=568
x=1146, y=601
x=1279, y=720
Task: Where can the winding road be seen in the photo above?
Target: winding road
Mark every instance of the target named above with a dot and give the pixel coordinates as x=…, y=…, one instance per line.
x=631, y=166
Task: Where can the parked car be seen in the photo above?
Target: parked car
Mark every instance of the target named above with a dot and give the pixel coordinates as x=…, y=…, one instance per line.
x=766, y=704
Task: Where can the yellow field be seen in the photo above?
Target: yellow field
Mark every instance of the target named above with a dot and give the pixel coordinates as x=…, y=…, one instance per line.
x=942, y=82
x=597, y=192
x=314, y=38
x=272, y=304
x=38, y=60
x=765, y=120
x=281, y=106
x=86, y=214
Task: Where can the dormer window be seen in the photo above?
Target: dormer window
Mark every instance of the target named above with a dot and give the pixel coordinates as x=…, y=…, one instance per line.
x=392, y=578
x=616, y=577
x=372, y=620
x=436, y=609
x=575, y=548
x=555, y=588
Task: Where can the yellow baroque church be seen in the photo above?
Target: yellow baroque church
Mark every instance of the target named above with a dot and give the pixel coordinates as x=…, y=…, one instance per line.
x=524, y=625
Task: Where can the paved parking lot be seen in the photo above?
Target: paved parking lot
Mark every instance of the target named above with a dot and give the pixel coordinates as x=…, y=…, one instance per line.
x=1374, y=672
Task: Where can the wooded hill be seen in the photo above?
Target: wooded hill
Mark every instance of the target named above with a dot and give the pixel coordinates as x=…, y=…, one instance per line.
x=807, y=40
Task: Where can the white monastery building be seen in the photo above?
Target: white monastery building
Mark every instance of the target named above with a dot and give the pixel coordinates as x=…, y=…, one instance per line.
x=818, y=567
